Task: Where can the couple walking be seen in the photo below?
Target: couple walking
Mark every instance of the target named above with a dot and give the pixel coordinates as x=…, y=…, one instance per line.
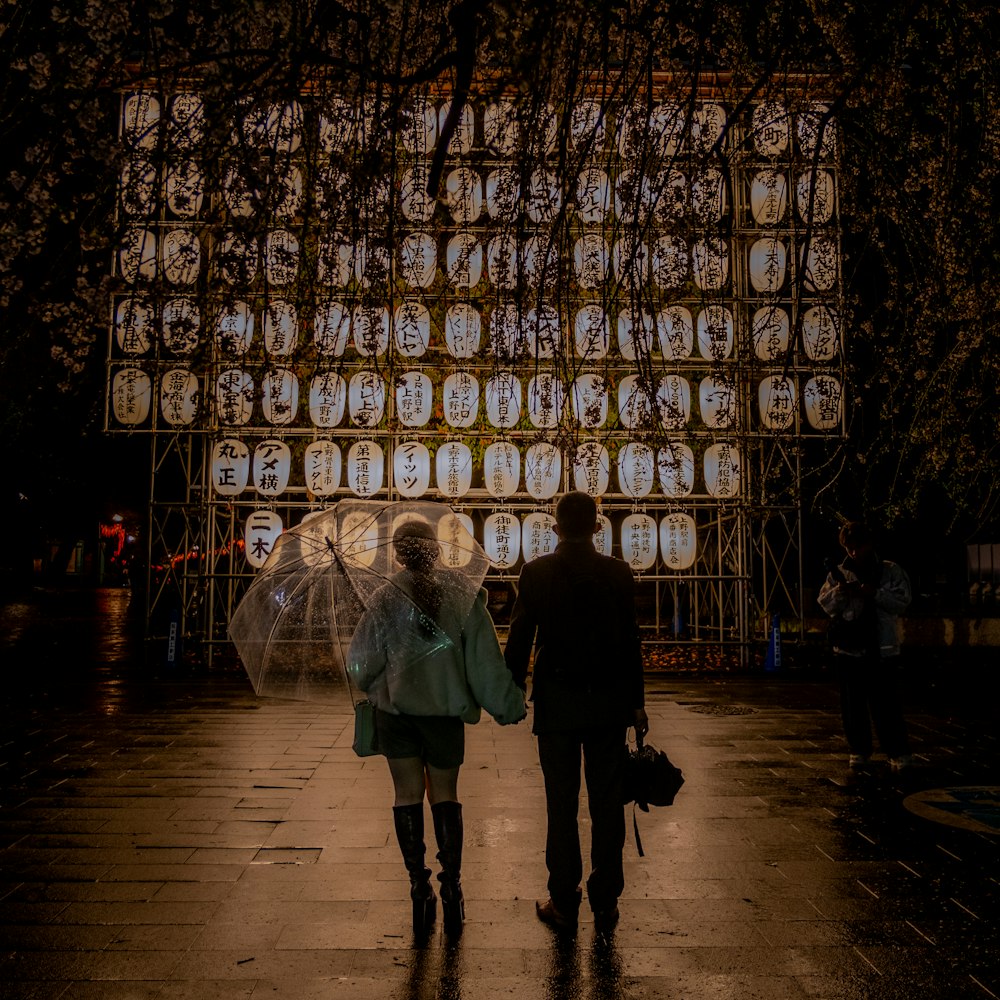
x=576, y=608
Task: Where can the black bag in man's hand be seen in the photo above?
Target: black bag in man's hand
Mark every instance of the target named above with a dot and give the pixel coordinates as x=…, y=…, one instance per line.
x=650, y=778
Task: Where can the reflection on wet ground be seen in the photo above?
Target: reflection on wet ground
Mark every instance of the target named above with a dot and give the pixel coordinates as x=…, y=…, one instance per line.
x=168, y=835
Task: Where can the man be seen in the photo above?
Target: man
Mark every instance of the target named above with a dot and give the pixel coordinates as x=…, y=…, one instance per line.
x=587, y=689
x=865, y=595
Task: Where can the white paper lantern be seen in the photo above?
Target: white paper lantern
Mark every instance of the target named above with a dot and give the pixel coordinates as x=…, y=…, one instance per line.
x=776, y=402
x=768, y=197
x=241, y=200
x=289, y=189
x=675, y=466
x=181, y=257
x=359, y=541
x=590, y=260
x=538, y=535
x=179, y=397
x=678, y=541
x=187, y=120
x=366, y=399
x=630, y=262
x=272, y=466
x=635, y=340
x=371, y=263
x=134, y=326
x=587, y=125
x=416, y=204
x=262, y=530
x=820, y=340
x=280, y=396
x=672, y=197
x=708, y=123
x=464, y=136
x=282, y=127
x=675, y=329
x=464, y=260
x=592, y=332
x=673, y=402
x=462, y=330
x=824, y=401
x=501, y=469
x=501, y=262
x=322, y=467
x=590, y=400
x=603, y=539
x=234, y=329
x=131, y=396
x=540, y=262
x=814, y=196
x=633, y=198
x=815, y=127
x=332, y=329
x=419, y=131
x=541, y=331
x=543, y=470
x=667, y=122
x=234, y=392
x=454, y=531
x=365, y=468
x=500, y=128
x=418, y=260
x=414, y=399
x=722, y=470
x=411, y=469
x=768, y=264
x=141, y=120
x=181, y=324
x=717, y=402
x=771, y=129
x=230, y=467
x=137, y=255
x=412, y=328
x=337, y=124
x=503, y=400
x=592, y=468
x=185, y=189
x=506, y=337
x=463, y=195
x=502, y=193
x=453, y=468
x=716, y=336
x=636, y=470
x=671, y=262
x=502, y=539
x=635, y=408
x=821, y=265
x=461, y=399
x=546, y=397
x=770, y=331
x=593, y=195
x=327, y=399
x=708, y=196
x=237, y=259
x=280, y=328
x=710, y=263
x=639, y=541
x=544, y=198
x=335, y=261
x=281, y=257
x=370, y=330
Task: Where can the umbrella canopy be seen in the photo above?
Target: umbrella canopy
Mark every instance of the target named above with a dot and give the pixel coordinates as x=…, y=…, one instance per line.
x=412, y=567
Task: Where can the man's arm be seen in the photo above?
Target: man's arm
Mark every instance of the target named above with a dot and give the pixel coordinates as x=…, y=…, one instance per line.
x=521, y=634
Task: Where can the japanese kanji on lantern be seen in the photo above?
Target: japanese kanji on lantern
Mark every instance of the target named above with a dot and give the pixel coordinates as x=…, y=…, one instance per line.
x=131, y=396
x=543, y=470
x=823, y=398
x=454, y=531
x=678, y=541
x=365, y=468
x=776, y=402
x=502, y=539
x=411, y=469
x=230, y=467
x=592, y=468
x=538, y=536
x=260, y=533
x=722, y=470
x=638, y=539
x=179, y=397
x=453, y=468
x=604, y=536
x=322, y=463
x=675, y=467
x=272, y=466
x=636, y=470
x=327, y=399
x=502, y=469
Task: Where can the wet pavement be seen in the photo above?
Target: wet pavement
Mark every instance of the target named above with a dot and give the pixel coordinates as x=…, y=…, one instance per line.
x=171, y=836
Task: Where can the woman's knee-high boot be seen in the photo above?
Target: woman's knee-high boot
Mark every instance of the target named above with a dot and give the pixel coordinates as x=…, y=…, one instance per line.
x=409, y=822
x=448, y=829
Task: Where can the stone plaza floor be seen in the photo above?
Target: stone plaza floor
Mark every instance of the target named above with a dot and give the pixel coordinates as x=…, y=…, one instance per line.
x=178, y=838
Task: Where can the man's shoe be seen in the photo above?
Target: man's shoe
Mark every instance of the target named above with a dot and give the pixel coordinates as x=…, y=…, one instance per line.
x=605, y=921
x=549, y=914
x=900, y=763
x=857, y=761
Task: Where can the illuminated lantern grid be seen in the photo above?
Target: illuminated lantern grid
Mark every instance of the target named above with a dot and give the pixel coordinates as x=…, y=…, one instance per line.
x=647, y=308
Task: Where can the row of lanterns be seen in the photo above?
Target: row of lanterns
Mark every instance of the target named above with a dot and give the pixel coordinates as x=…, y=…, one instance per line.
x=364, y=399
x=507, y=538
x=668, y=129
x=668, y=264
x=639, y=469
x=666, y=196
x=510, y=332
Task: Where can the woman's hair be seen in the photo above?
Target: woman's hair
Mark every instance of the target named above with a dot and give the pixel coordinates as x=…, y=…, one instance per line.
x=854, y=533
x=417, y=548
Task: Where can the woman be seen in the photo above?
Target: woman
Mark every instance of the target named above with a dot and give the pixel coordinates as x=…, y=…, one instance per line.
x=428, y=663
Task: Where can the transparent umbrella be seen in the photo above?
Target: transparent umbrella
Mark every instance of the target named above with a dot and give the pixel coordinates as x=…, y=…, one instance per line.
x=340, y=578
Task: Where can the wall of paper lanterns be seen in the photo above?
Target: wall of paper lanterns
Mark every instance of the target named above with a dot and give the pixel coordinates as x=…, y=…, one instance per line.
x=629, y=309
